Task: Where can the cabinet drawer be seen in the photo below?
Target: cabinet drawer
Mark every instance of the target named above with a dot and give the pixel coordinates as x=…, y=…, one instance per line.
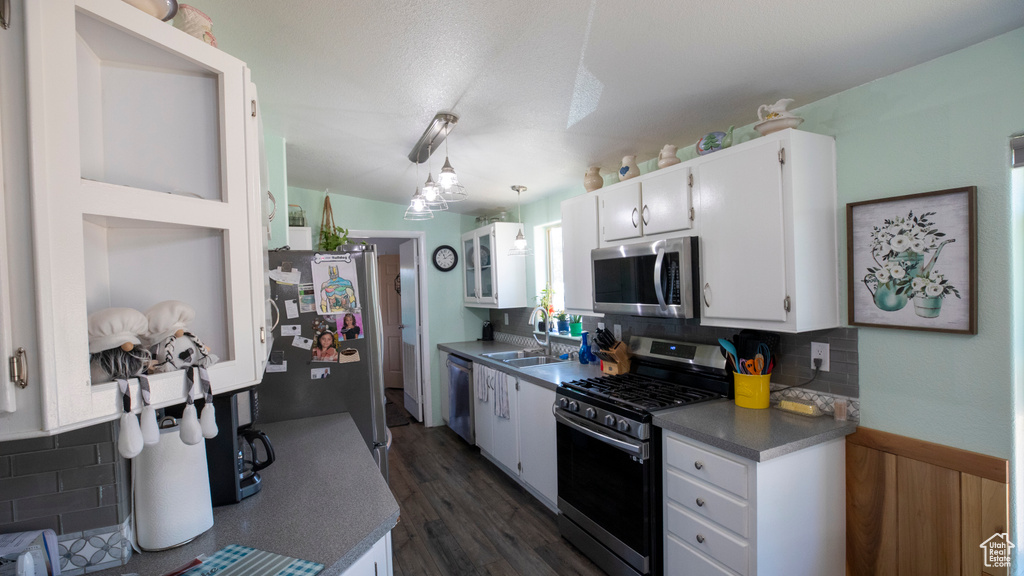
x=703, y=536
x=705, y=501
x=682, y=560
x=707, y=466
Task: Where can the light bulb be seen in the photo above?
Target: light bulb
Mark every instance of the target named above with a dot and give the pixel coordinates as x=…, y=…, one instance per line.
x=418, y=204
x=447, y=178
x=520, y=241
x=430, y=190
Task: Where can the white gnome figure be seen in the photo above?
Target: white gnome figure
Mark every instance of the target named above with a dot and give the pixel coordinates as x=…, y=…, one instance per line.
x=116, y=353
x=175, y=348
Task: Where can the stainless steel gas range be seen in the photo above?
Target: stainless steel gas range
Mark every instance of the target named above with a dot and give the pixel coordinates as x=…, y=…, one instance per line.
x=609, y=455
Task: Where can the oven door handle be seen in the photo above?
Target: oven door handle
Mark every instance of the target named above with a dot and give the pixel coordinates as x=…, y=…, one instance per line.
x=638, y=449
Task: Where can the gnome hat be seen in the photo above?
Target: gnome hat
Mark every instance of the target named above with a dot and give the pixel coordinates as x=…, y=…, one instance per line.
x=114, y=327
x=166, y=318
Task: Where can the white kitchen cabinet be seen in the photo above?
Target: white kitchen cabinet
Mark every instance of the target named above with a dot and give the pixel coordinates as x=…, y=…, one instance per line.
x=652, y=204
x=492, y=278
x=505, y=431
x=265, y=313
x=377, y=561
x=483, y=408
x=442, y=357
x=769, y=257
x=538, y=446
x=140, y=192
x=579, y=236
x=727, y=515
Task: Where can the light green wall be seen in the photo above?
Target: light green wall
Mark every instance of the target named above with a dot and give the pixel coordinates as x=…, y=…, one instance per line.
x=449, y=320
x=277, y=167
x=939, y=125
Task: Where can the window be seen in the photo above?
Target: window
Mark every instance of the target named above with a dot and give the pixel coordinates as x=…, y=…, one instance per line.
x=548, y=262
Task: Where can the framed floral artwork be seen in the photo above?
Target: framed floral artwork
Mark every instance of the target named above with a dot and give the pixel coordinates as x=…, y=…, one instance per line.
x=911, y=262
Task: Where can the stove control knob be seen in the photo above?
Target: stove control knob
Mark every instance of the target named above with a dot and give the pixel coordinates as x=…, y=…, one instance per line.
x=609, y=421
x=624, y=426
x=573, y=406
x=591, y=413
x=563, y=403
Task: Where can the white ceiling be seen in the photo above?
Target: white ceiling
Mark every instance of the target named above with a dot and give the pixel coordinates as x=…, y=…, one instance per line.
x=545, y=88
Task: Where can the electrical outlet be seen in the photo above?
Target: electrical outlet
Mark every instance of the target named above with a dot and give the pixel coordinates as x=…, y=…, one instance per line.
x=506, y=318
x=600, y=325
x=617, y=331
x=819, y=350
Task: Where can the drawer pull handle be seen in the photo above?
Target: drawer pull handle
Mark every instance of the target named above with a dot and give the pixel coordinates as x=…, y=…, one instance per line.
x=700, y=502
x=700, y=538
x=698, y=465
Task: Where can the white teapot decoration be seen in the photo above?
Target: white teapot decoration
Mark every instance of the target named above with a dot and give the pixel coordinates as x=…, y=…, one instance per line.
x=773, y=111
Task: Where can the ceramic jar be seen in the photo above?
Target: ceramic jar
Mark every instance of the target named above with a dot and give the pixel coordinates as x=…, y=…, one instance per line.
x=629, y=168
x=592, y=179
x=668, y=157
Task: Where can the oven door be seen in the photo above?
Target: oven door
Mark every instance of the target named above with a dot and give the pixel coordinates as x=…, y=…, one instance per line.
x=647, y=279
x=606, y=487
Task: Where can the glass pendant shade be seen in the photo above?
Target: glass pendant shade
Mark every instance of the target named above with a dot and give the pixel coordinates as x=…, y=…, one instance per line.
x=447, y=178
x=519, y=245
x=457, y=193
x=430, y=190
x=418, y=209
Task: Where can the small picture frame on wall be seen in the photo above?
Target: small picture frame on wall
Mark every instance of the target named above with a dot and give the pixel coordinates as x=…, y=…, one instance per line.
x=912, y=262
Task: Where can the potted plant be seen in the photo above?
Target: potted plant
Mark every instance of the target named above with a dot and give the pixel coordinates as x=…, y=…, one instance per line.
x=563, y=322
x=332, y=238
x=545, y=300
x=575, y=325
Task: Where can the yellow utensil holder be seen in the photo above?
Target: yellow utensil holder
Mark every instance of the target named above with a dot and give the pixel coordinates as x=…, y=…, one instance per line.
x=751, y=390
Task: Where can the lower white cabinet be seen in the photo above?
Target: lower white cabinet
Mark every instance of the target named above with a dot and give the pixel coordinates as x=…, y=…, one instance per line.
x=445, y=383
x=727, y=515
x=376, y=562
x=523, y=444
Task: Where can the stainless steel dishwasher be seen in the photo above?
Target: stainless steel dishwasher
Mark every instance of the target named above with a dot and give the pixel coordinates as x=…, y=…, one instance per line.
x=460, y=397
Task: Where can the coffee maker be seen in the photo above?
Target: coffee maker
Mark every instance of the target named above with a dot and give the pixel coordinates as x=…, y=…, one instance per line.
x=233, y=456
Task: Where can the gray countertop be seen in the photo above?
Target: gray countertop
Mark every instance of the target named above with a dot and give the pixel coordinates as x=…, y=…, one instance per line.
x=544, y=375
x=757, y=435
x=323, y=500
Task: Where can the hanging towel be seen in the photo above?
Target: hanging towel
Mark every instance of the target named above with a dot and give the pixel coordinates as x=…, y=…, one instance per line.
x=480, y=383
x=501, y=395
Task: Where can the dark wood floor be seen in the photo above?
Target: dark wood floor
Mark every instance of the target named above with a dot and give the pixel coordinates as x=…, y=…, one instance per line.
x=461, y=515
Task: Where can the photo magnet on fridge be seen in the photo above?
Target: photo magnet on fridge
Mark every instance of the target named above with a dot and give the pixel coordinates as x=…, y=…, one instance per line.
x=325, y=348
x=350, y=325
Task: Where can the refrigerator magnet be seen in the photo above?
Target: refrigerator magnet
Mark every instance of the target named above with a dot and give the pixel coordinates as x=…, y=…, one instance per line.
x=291, y=330
x=282, y=367
x=319, y=373
x=348, y=355
x=350, y=325
x=307, y=299
x=304, y=343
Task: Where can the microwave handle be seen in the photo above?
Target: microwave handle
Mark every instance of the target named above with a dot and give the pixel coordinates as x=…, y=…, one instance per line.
x=659, y=292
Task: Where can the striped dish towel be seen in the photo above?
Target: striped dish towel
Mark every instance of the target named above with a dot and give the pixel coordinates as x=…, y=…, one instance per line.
x=480, y=383
x=235, y=560
x=501, y=395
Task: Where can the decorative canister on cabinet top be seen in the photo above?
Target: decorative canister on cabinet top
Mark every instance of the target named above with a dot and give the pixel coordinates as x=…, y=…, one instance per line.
x=713, y=141
x=592, y=179
x=629, y=168
x=668, y=157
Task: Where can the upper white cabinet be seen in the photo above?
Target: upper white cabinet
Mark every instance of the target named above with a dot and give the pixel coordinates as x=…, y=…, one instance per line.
x=654, y=203
x=579, y=237
x=492, y=278
x=769, y=257
x=142, y=191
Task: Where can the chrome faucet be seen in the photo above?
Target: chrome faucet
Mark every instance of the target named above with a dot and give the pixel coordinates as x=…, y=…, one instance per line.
x=533, y=322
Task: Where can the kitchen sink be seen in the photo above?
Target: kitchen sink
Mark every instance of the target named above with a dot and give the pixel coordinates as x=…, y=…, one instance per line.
x=514, y=354
x=533, y=361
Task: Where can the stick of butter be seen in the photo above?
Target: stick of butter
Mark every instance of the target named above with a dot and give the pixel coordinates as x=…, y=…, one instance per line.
x=805, y=407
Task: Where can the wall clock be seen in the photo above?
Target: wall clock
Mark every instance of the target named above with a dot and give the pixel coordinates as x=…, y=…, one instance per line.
x=445, y=258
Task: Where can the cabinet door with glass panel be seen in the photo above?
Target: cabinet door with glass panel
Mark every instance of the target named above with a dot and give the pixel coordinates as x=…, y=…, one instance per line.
x=140, y=195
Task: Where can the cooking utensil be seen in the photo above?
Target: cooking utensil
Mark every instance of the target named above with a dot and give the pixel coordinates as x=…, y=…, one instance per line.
x=765, y=352
x=754, y=366
x=728, y=346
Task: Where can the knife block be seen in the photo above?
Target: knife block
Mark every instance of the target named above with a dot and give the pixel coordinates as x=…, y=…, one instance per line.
x=619, y=359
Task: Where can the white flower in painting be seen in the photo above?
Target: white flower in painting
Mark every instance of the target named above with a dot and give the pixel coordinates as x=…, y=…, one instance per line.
x=899, y=243
x=933, y=290
x=918, y=283
x=929, y=241
x=883, y=276
x=897, y=272
x=937, y=278
x=918, y=246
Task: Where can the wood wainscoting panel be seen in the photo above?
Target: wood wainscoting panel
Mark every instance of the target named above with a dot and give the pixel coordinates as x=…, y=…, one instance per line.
x=929, y=519
x=983, y=504
x=991, y=467
x=871, y=515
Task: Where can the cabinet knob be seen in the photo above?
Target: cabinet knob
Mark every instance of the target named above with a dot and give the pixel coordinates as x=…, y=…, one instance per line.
x=698, y=465
x=700, y=502
x=700, y=538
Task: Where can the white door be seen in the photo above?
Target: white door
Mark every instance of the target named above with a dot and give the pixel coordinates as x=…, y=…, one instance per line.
x=506, y=430
x=666, y=201
x=411, y=373
x=620, y=213
x=537, y=437
x=391, y=319
x=742, y=245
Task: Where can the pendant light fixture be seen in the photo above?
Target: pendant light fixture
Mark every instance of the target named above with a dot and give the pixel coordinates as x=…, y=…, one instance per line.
x=519, y=245
x=430, y=189
x=418, y=208
x=448, y=180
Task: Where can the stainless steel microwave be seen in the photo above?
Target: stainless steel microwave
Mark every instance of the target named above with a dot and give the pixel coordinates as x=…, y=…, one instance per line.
x=647, y=279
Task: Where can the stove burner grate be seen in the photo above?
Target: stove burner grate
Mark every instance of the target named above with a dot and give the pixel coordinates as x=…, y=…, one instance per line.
x=641, y=392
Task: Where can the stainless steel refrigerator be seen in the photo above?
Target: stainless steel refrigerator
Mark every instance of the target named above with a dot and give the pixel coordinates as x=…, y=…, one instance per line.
x=318, y=292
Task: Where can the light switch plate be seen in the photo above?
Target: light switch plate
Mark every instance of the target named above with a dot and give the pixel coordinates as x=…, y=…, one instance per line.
x=506, y=318
x=600, y=325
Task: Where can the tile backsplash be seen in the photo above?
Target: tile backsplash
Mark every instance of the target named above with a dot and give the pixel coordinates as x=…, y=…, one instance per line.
x=792, y=368
x=70, y=483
